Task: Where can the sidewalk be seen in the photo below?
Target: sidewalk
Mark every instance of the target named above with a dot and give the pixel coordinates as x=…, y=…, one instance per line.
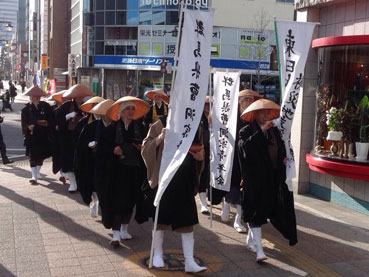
x=45, y=231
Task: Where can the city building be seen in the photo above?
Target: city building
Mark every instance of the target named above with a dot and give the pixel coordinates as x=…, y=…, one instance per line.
x=336, y=80
x=118, y=47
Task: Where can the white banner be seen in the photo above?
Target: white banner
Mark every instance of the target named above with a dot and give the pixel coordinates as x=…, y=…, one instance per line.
x=224, y=126
x=294, y=40
x=188, y=95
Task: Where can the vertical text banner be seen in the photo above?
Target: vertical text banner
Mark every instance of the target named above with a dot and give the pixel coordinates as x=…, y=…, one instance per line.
x=294, y=40
x=187, y=98
x=223, y=136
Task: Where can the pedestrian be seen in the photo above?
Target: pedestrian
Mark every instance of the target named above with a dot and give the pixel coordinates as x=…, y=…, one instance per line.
x=233, y=197
x=68, y=116
x=1, y=86
x=12, y=91
x=205, y=175
x=118, y=155
x=23, y=85
x=6, y=101
x=263, y=161
x=177, y=208
x=37, y=122
x=85, y=155
x=158, y=108
x=4, y=157
x=56, y=156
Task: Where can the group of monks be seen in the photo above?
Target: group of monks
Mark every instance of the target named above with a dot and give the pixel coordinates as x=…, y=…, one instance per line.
x=110, y=151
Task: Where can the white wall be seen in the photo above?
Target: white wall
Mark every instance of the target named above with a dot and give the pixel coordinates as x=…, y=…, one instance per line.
x=241, y=13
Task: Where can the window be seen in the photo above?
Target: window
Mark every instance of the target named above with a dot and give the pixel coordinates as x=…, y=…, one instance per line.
x=132, y=4
x=99, y=33
x=158, y=18
x=145, y=4
x=132, y=18
x=132, y=50
x=99, y=18
x=121, y=18
x=343, y=80
x=121, y=4
x=109, y=4
x=99, y=48
x=109, y=50
x=100, y=5
x=285, y=1
x=121, y=50
x=109, y=18
x=172, y=18
x=121, y=33
x=145, y=17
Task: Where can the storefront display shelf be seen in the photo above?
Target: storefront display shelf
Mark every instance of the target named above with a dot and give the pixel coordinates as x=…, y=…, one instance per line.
x=346, y=168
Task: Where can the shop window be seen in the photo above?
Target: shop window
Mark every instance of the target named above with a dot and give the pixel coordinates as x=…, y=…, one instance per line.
x=145, y=17
x=343, y=81
x=121, y=4
x=172, y=18
x=109, y=50
x=109, y=4
x=121, y=18
x=100, y=5
x=99, y=48
x=158, y=18
x=132, y=4
x=132, y=50
x=132, y=18
x=121, y=50
x=109, y=18
x=99, y=18
x=99, y=33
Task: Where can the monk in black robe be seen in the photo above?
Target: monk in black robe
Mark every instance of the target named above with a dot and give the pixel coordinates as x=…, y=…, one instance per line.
x=158, y=108
x=265, y=195
x=177, y=209
x=37, y=127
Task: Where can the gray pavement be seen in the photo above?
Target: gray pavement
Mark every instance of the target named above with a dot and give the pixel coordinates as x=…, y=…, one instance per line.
x=45, y=231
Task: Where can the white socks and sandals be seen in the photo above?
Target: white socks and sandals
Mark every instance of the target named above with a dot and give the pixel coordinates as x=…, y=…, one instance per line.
x=225, y=215
x=188, y=246
x=35, y=171
x=253, y=243
x=120, y=235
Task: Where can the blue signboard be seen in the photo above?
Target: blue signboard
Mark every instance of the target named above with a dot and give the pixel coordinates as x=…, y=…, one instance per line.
x=154, y=63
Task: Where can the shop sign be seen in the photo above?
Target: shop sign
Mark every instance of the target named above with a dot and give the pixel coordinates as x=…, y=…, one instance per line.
x=90, y=40
x=73, y=64
x=120, y=42
x=168, y=33
x=44, y=64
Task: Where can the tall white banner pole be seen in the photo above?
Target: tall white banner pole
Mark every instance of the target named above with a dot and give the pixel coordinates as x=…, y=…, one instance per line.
x=210, y=131
x=182, y=10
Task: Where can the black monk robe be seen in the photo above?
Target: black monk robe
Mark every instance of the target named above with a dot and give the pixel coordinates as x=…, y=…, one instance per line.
x=84, y=161
x=265, y=193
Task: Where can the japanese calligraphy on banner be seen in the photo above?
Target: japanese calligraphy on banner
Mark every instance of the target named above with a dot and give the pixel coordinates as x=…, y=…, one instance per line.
x=294, y=39
x=188, y=95
x=223, y=136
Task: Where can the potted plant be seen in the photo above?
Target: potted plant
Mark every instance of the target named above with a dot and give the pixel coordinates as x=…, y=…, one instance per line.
x=362, y=147
x=334, y=124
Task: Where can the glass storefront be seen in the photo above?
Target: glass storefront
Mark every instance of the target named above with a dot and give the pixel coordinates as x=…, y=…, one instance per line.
x=343, y=81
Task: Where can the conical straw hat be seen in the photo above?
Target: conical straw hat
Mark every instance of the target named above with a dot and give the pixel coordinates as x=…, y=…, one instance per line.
x=78, y=91
x=90, y=103
x=57, y=96
x=142, y=107
x=150, y=94
x=249, y=92
x=102, y=107
x=261, y=104
x=35, y=91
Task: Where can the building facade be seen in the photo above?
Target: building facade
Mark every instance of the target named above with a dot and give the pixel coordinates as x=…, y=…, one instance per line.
x=336, y=82
x=119, y=46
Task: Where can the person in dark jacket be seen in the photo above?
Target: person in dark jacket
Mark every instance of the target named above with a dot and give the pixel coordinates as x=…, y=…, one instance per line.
x=4, y=157
x=12, y=91
x=37, y=126
x=6, y=101
x=68, y=117
x=263, y=158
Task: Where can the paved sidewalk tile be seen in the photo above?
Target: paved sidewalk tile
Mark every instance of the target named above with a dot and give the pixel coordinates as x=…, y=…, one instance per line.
x=47, y=231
